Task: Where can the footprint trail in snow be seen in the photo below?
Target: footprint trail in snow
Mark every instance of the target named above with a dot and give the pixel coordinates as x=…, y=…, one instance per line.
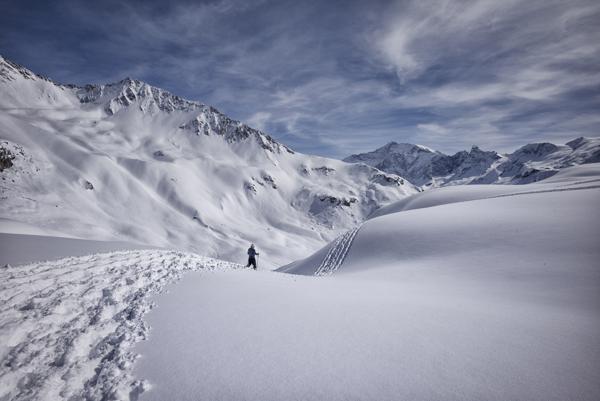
x=67, y=327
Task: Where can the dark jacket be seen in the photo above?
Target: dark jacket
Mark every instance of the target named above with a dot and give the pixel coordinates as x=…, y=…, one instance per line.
x=252, y=252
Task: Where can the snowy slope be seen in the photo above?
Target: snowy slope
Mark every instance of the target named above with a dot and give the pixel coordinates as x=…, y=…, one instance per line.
x=570, y=178
x=18, y=249
x=131, y=162
x=67, y=327
x=570, y=181
x=530, y=163
x=487, y=295
x=492, y=296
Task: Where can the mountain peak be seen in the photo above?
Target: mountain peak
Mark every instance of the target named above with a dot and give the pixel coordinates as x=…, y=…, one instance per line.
x=212, y=122
x=538, y=149
x=128, y=80
x=578, y=142
x=395, y=147
x=10, y=71
x=137, y=96
x=532, y=162
x=127, y=91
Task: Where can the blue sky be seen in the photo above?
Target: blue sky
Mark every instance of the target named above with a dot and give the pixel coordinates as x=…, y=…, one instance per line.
x=339, y=77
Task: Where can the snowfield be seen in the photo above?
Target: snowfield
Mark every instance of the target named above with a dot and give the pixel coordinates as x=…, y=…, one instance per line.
x=461, y=293
x=16, y=249
x=471, y=299
x=67, y=327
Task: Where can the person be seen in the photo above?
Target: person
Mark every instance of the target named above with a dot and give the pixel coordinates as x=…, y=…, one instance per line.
x=252, y=256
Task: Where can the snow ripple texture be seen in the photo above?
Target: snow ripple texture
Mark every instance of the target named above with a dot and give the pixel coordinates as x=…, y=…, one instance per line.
x=337, y=253
x=67, y=327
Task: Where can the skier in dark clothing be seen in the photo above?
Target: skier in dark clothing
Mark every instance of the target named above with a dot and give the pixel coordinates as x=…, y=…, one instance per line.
x=252, y=256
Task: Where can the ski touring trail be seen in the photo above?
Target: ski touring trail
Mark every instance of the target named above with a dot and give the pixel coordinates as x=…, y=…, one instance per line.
x=337, y=253
x=67, y=327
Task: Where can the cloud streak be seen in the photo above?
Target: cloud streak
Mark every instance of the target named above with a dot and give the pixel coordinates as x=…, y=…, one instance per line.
x=496, y=72
x=335, y=78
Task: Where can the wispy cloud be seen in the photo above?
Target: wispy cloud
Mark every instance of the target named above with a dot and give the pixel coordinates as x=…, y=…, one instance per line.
x=335, y=78
x=497, y=73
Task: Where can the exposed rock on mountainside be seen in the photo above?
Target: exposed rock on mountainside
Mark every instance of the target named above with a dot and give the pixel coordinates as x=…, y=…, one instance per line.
x=6, y=158
x=530, y=163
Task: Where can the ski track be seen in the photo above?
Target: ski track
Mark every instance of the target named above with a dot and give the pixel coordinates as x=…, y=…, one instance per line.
x=334, y=258
x=337, y=253
x=67, y=327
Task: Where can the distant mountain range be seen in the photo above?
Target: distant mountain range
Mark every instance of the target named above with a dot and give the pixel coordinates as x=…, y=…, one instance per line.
x=429, y=168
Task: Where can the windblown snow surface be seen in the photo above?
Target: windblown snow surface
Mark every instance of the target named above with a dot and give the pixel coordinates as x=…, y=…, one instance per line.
x=463, y=293
x=459, y=293
x=67, y=327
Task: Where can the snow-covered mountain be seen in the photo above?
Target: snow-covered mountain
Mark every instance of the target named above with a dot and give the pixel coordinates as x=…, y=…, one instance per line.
x=132, y=162
x=530, y=163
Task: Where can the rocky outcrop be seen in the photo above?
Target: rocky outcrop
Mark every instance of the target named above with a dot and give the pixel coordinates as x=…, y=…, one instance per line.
x=6, y=158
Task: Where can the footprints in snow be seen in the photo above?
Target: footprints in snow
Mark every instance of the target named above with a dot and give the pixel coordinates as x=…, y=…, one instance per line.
x=74, y=321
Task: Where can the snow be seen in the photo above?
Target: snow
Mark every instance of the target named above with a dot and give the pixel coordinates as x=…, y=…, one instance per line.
x=484, y=298
x=577, y=175
x=573, y=178
x=18, y=249
x=18, y=227
x=67, y=327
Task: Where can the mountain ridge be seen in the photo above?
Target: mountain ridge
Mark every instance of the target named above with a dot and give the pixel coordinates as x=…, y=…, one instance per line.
x=131, y=162
x=431, y=168
x=152, y=99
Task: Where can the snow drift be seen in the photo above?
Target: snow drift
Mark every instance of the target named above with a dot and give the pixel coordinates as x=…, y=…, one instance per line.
x=480, y=295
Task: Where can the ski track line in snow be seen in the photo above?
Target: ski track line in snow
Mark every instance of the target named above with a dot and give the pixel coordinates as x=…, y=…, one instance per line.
x=67, y=327
x=334, y=258
x=337, y=253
